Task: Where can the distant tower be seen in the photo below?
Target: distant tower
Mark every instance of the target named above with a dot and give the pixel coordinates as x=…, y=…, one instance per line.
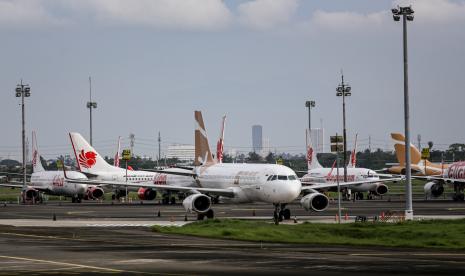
x=132, y=138
x=419, y=141
x=257, y=140
x=159, y=146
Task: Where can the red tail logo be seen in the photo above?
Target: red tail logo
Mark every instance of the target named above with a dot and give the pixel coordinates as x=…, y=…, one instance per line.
x=34, y=158
x=309, y=155
x=88, y=159
x=219, y=151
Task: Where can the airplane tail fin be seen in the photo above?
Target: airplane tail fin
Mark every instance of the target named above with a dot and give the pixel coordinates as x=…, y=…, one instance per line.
x=36, y=163
x=399, y=147
x=118, y=149
x=312, y=160
x=220, y=144
x=87, y=158
x=203, y=154
x=353, y=155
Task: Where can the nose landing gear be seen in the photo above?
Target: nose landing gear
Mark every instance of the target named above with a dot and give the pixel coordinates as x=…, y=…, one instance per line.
x=281, y=213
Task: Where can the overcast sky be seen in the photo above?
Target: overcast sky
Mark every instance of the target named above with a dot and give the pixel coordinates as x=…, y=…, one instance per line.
x=154, y=62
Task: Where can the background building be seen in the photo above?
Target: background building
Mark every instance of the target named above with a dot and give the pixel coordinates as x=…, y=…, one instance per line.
x=318, y=139
x=257, y=140
x=185, y=153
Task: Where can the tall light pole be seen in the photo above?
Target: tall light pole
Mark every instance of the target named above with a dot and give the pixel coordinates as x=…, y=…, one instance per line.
x=90, y=105
x=407, y=15
x=309, y=105
x=23, y=91
x=343, y=90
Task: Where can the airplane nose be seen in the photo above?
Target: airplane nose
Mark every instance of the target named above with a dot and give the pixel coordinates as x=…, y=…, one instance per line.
x=292, y=190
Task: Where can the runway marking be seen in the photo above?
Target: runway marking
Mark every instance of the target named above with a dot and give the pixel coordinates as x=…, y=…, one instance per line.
x=62, y=263
x=73, y=265
x=79, y=212
x=406, y=253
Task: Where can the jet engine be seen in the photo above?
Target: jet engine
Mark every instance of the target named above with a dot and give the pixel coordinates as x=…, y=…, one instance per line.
x=433, y=189
x=30, y=194
x=146, y=194
x=198, y=203
x=94, y=192
x=381, y=189
x=315, y=201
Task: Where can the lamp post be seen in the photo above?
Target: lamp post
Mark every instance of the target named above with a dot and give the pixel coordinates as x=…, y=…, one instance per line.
x=309, y=105
x=407, y=15
x=343, y=90
x=90, y=105
x=23, y=91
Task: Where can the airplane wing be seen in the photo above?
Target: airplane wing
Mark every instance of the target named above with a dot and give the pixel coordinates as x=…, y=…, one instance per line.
x=20, y=185
x=191, y=190
x=318, y=186
x=439, y=178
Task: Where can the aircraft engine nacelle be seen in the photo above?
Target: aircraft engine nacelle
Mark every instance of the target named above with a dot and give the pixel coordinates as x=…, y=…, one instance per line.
x=94, y=192
x=380, y=189
x=146, y=194
x=433, y=189
x=30, y=194
x=198, y=203
x=315, y=201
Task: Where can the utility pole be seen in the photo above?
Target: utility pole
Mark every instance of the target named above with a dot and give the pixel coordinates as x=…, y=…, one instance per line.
x=309, y=105
x=90, y=105
x=22, y=91
x=132, y=138
x=159, y=146
x=419, y=141
x=369, y=143
x=343, y=90
x=407, y=15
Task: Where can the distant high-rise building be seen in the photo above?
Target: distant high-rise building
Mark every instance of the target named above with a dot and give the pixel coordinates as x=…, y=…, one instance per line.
x=257, y=141
x=183, y=153
x=318, y=139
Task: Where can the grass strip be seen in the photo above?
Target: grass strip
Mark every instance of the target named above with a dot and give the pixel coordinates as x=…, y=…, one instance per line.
x=443, y=234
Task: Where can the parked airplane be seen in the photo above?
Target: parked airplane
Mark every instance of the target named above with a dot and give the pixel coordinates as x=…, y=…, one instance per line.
x=418, y=166
x=92, y=164
x=53, y=182
x=317, y=174
x=238, y=183
x=454, y=175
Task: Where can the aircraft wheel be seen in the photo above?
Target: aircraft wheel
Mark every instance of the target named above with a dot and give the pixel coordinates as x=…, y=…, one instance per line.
x=210, y=214
x=78, y=200
x=200, y=216
x=172, y=200
x=73, y=199
x=113, y=197
x=461, y=197
x=166, y=200
x=286, y=213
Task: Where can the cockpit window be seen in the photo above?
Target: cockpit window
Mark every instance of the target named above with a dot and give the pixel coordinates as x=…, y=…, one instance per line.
x=269, y=178
x=273, y=177
x=292, y=177
x=282, y=177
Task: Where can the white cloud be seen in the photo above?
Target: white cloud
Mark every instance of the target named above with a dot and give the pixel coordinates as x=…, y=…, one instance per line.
x=21, y=13
x=266, y=14
x=171, y=14
x=348, y=20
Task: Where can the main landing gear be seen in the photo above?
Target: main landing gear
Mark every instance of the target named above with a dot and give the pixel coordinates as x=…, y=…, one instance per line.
x=76, y=199
x=281, y=213
x=458, y=196
x=209, y=214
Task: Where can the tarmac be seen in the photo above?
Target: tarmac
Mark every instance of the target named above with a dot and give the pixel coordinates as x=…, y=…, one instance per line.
x=101, y=238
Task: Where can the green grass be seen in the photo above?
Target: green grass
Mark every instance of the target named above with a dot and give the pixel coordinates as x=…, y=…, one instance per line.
x=444, y=234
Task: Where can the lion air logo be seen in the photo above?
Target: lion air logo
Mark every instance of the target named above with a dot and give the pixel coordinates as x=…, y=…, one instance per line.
x=34, y=158
x=87, y=159
x=309, y=155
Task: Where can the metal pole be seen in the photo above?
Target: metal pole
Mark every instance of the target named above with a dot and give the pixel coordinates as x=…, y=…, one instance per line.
x=310, y=121
x=23, y=134
x=126, y=181
x=408, y=183
x=344, y=128
x=90, y=109
x=337, y=181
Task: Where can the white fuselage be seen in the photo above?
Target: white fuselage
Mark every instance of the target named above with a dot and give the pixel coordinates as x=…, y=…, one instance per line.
x=54, y=183
x=144, y=177
x=328, y=175
x=251, y=182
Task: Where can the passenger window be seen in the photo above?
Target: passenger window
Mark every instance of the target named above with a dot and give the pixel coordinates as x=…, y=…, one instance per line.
x=282, y=177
